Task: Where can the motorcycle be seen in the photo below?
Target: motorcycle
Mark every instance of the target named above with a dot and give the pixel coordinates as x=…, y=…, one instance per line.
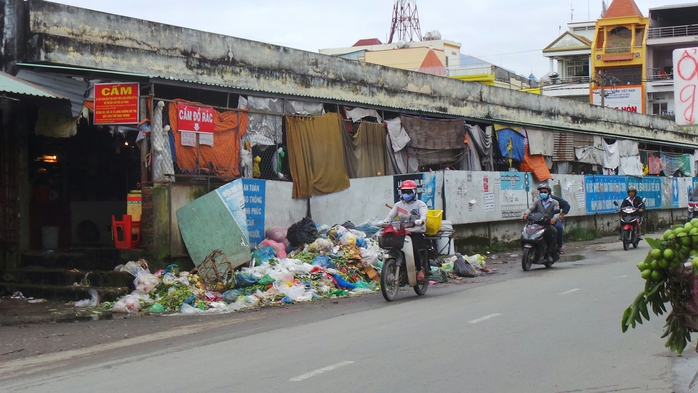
x=629, y=227
x=399, y=268
x=533, y=242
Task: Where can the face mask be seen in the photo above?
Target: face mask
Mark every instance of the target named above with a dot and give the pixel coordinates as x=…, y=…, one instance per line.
x=408, y=197
x=543, y=195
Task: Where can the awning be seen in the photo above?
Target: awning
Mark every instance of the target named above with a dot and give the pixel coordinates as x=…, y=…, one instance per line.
x=15, y=86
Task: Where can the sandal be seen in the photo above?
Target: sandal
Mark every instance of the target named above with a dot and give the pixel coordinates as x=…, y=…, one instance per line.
x=420, y=276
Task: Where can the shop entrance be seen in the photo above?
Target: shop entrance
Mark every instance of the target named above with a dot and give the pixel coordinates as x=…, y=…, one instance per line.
x=78, y=183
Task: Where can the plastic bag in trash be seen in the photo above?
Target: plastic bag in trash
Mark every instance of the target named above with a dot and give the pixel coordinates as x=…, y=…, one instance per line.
x=93, y=301
x=321, y=245
x=368, y=228
x=231, y=296
x=477, y=261
x=348, y=225
x=302, y=232
x=279, y=248
x=243, y=280
x=187, y=309
x=341, y=283
x=263, y=254
x=437, y=274
x=369, y=256
x=266, y=280
x=127, y=304
x=145, y=282
x=156, y=308
x=323, y=261
x=277, y=234
x=462, y=268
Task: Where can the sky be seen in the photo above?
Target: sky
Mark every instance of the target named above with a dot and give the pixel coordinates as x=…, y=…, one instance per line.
x=508, y=33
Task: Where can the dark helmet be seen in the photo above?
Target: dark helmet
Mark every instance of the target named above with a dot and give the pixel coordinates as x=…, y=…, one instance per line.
x=543, y=186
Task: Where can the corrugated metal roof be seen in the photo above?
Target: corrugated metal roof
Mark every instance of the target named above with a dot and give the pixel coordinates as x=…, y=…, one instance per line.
x=10, y=84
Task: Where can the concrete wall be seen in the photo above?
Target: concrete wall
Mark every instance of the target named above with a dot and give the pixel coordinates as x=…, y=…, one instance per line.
x=66, y=35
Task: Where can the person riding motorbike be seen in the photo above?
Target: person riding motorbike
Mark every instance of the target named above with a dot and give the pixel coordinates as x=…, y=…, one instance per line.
x=634, y=201
x=411, y=210
x=565, y=209
x=548, y=207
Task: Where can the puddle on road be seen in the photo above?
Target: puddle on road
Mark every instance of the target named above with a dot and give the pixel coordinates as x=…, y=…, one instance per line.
x=571, y=258
x=85, y=318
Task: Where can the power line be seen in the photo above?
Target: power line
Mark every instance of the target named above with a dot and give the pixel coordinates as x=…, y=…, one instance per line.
x=512, y=53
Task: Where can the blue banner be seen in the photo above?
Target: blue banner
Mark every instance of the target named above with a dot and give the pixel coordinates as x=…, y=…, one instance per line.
x=426, y=187
x=255, y=191
x=602, y=190
x=232, y=196
x=675, y=192
x=650, y=188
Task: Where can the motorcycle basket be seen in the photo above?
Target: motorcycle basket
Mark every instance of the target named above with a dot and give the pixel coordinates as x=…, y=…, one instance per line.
x=391, y=240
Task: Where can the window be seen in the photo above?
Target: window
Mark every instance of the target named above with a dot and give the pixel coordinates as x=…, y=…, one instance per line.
x=639, y=36
x=577, y=68
x=599, y=39
x=659, y=108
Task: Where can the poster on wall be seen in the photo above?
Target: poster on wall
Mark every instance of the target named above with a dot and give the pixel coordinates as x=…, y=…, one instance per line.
x=195, y=118
x=626, y=98
x=514, y=188
x=233, y=198
x=254, y=191
x=685, y=85
x=602, y=190
x=650, y=188
x=116, y=103
x=427, y=187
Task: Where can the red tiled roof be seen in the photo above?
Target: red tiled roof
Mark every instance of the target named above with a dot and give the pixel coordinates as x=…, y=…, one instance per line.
x=431, y=60
x=623, y=8
x=368, y=42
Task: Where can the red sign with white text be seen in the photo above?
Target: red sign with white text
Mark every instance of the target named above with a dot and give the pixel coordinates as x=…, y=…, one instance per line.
x=116, y=103
x=195, y=118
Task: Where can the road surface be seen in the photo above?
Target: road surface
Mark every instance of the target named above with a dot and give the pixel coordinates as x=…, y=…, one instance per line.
x=546, y=330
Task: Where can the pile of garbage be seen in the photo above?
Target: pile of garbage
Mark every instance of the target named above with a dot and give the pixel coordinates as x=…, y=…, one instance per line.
x=330, y=262
x=302, y=263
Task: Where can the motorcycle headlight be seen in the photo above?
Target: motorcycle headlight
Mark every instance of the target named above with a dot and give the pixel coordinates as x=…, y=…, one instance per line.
x=537, y=234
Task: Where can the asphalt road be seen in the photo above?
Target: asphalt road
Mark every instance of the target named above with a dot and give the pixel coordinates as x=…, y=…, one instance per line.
x=547, y=330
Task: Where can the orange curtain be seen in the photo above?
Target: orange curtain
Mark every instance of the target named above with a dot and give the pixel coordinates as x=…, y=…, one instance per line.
x=223, y=158
x=316, y=155
x=536, y=165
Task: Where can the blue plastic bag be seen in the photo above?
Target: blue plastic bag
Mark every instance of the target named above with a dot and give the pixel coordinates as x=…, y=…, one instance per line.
x=323, y=261
x=231, y=296
x=263, y=254
x=341, y=283
x=243, y=280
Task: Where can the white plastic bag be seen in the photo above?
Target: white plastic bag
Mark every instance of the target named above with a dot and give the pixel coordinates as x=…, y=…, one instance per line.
x=145, y=282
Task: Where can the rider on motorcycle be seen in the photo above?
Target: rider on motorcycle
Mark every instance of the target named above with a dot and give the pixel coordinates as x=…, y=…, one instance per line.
x=411, y=210
x=634, y=201
x=548, y=207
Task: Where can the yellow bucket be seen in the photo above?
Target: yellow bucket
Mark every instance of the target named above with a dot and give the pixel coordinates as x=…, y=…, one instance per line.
x=434, y=218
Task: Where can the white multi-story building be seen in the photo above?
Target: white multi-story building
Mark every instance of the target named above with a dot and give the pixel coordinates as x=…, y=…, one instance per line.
x=569, y=56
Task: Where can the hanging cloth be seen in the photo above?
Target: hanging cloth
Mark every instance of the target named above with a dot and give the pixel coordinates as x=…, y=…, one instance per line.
x=511, y=144
x=364, y=152
x=482, y=142
x=541, y=141
x=316, y=155
x=536, y=165
x=630, y=166
x=611, y=156
x=398, y=136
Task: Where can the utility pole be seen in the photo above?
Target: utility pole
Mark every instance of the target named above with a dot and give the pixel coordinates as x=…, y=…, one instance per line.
x=602, y=80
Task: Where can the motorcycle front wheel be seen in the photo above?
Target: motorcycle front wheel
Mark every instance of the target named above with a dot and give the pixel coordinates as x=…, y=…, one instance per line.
x=527, y=259
x=626, y=239
x=390, y=279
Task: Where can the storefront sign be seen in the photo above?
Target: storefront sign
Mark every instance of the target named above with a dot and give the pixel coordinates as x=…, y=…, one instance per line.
x=195, y=118
x=650, y=188
x=686, y=85
x=116, y=103
x=626, y=98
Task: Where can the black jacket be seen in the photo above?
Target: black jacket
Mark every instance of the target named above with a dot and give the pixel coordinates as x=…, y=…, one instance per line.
x=635, y=202
x=564, y=205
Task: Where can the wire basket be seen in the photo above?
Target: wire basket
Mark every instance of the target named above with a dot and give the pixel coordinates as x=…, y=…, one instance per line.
x=214, y=271
x=391, y=241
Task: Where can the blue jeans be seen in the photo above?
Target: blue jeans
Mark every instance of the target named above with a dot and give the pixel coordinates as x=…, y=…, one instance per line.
x=560, y=233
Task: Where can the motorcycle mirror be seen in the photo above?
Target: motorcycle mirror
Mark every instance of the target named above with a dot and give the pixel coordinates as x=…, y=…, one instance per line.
x=615, y=203
x=644, y=200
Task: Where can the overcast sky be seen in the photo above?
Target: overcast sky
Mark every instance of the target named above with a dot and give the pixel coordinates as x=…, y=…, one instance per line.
x=508, y=33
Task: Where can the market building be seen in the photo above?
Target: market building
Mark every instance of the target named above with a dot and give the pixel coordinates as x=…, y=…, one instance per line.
x=175, y=113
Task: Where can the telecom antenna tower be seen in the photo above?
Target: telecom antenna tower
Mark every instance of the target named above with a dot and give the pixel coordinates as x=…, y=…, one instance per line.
x=405, y=22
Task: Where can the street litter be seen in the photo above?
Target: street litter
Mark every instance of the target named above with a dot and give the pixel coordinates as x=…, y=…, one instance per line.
x=93, y=301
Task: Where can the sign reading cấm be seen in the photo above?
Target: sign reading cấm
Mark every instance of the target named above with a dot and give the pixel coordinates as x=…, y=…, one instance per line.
x=195, y=118
x=116, y=103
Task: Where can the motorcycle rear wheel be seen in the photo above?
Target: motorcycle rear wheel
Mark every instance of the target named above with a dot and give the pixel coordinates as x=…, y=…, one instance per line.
x=390, y=279
x=421, y=288
x=527, y=259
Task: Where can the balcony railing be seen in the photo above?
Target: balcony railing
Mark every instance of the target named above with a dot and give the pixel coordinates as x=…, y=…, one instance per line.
x=673, y=31
x=568, y=80
x=658, y=74
x=619, y=49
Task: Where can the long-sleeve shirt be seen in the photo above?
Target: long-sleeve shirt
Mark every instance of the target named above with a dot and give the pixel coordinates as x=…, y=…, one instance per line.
x=405, y=210
x=550, y=210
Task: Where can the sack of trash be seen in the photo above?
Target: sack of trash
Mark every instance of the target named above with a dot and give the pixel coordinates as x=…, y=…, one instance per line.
x=302, y=232
x=438, y=274
x=463, y=268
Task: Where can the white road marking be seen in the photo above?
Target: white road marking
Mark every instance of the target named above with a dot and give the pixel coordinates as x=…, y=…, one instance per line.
x=570, y=291
x=320, y=371
x=486, y=317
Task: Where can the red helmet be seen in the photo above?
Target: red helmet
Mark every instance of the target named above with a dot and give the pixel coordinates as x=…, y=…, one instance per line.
x=408, y=185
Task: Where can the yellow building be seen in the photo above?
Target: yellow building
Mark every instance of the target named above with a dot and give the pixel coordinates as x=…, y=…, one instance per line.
x=619, y=58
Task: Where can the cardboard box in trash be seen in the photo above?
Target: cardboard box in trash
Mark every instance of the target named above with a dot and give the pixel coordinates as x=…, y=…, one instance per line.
x=217, y=221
